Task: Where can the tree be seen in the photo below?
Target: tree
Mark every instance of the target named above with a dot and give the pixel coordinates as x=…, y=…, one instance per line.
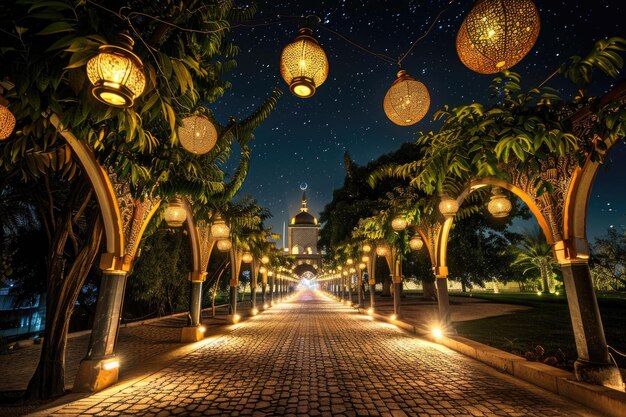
x=43, y=53
x=534, y=255
x=609, y=261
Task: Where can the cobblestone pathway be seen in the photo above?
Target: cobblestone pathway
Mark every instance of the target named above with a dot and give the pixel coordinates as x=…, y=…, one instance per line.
x=315, y=357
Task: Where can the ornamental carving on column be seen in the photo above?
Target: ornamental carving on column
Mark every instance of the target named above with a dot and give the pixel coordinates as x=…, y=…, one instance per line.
x=206, y=243
x=431, y=231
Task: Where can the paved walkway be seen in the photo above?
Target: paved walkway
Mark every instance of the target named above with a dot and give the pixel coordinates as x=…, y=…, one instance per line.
x=315, y=357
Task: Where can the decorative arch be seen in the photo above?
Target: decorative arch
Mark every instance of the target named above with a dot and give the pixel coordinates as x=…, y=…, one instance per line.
x=302, y=268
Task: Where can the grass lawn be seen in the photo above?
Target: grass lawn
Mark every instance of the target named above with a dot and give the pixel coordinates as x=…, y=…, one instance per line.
x=546, y=323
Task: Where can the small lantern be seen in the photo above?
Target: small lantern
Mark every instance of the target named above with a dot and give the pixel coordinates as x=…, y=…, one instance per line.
x=382, y=250
x=448, y=206
x=262, y=269
x=416, y=243
x=349, y=261
x=247, y=257
x=345, y=273
x=365, y=259
x=117, y=74
x=407, y=100
x=224, y=245
x=362, y=265
x=399, y=223
x=270, y=274
x=367, y=248
x=499, y=205
x=197, y=135
x=303, y=64
x=219, y=229
x=497, y=34
x=7, y=120
x=265, y=260
x=175, y=213
x=352, y=270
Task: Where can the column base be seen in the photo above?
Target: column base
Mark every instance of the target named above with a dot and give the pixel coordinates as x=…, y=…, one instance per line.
x=233, y=318
x=604, y=374
x=96, y=375
x=192, y=334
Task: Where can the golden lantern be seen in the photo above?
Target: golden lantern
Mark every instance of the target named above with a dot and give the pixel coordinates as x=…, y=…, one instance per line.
x=7, y=120
x=365, y=259
x=175, y=213
x=407, y=100
x=416, y=243
x=219, y=228
x=382, y=250
x=247, y=257
x=497, y=34
x=270, y=274
x=362, y=265
x=499, y=205
x=448, y=206
x=399, y=223
x=117, y=74
x=265, y=260
x=349, y=261
x=262, y=269
x=303, y=64
x=197, y=135
x=352, y=270
x=224, y=245
x=366, y=248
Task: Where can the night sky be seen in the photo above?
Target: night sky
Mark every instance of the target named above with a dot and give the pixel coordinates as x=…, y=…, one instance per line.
x=304, y=140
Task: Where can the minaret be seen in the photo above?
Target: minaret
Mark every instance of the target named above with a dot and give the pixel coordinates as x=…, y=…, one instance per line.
x=304, y=208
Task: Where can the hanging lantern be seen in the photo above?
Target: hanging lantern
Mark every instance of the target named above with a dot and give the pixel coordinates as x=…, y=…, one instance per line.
x=303, y=64
x=416, y=243
x=175, y=213
x=352, y=270
x=399, y=223
x=247, y=257
x=499, y=205
x=219, y=229
x=262, y=270
x=366, y=248
x=362, y=265
x=197, y=135
x=365, y=259
x=117, y=74
x=381, y=250
x=407, y=101
x=224, y=245
x=497, y=34
x=7, y=120
x=448, y=206
x=349, y=261
x=265, y=260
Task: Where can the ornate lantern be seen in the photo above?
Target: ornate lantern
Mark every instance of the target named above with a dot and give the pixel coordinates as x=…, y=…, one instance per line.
x=7, y=120
x=175, y=213
x=362, y=265
x=399, y=223
x=116, y=74
x=497, y=34
x=499, y=205
x=247, y=257
x=366, y=248
x=303, y=64
x=197, y=135
x=262, y=269
x=349, y=261
x=365, y=259
x=407, y=101
x=448, y=206
x=382, y=250
x=224, y=245
x=219, y=229
x=416, y=243
x=352, y=270
x=265, y=260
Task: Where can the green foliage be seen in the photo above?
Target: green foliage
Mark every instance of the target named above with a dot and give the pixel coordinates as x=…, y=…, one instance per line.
x=534, y=258
x=608, y=261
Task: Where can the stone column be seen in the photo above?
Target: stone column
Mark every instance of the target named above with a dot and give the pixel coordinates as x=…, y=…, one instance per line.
x=359, y=284
x=396, y=280
x=234, y=284
x=194, y=331
x=100, y=368
x=253, y=278
x=593, y=364
x=349, y=281
x=264, y=288
x=343, y=288
x=272, y=282
x=443, y=300
x=372, y=283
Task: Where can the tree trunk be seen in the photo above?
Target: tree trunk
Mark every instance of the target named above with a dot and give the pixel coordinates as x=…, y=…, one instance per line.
x=386, y=287
x=429, y=289
x=65, y=278
x=463, y=286
x=544, y=277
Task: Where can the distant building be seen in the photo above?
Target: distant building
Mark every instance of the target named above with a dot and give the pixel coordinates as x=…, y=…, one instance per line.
x=303, y=234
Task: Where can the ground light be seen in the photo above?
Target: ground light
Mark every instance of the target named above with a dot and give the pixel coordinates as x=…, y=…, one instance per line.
x=437, y=332
x=202, y=329
x=539, y=293
x=370, y=311
x=255, y=311
x=236, y=318
x=265, y=305
x=393, y=317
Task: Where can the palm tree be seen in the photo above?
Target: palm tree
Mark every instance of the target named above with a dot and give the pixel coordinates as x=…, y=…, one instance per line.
x=534, y=254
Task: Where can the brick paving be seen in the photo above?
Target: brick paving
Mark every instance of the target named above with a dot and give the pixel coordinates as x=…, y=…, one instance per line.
x=314, y=357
